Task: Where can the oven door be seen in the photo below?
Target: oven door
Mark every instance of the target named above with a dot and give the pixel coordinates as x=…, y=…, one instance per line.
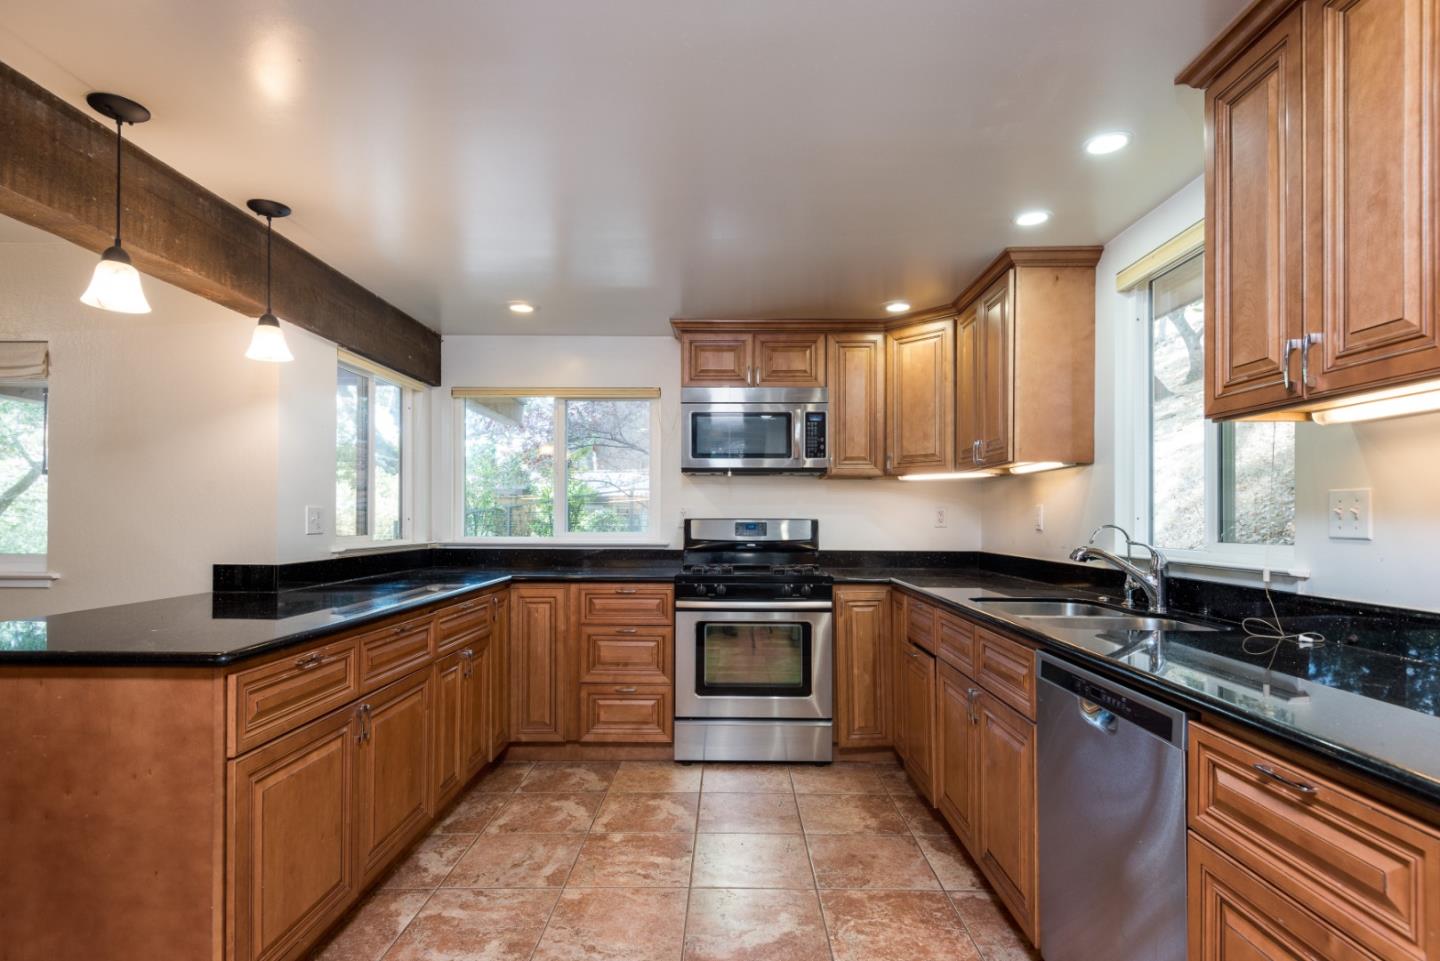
x=751, y=663
x=750, y=437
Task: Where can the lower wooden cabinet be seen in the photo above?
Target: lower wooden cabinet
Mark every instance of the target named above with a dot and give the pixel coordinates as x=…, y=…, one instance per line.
x=291, y=838
x=539, y=665
x=476, y=743
x=957, y=776
x=500, y=677
x=862, y=669
x=1005, y=842
x=449, y=764
x=1234, y=916
x=917, y=693
x=395, y=770
x=630, y=713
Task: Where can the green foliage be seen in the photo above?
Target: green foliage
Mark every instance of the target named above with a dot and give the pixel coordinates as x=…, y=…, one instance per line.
x=24, y=495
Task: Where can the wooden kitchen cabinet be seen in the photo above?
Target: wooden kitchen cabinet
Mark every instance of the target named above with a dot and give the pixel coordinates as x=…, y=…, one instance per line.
x=1320, y=121
x=500, y=676
x=448, y=690
x=766, y=359
x=957, y=775
x=920, y=397
x=1005, y=843
x=1025, y=361
x=293, y=865
x=395, y=769
x=862, y=669
x=917, y=689
x=627, y=713
x=477, y=745
x=857, y=405
x=539, y=663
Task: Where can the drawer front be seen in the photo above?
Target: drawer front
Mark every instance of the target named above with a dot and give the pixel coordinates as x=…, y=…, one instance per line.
x=920, y=624
x=625, y=604
x=392, y=652
x=1369, y=870
x=626, y=653
x=955, y=642
x=611, y=713
x=277, y=697
x=465, y=623
x=1007, y=669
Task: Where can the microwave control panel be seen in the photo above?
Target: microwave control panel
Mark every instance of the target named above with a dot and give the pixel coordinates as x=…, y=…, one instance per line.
x=814, y=435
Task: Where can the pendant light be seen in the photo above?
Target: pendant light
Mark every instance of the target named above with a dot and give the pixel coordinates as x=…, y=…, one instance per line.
x=115, y=285
x=268, y=344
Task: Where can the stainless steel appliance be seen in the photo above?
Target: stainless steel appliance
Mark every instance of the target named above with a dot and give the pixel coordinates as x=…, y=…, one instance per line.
x=754, y=654
x=754, y=430
x=1111, y=785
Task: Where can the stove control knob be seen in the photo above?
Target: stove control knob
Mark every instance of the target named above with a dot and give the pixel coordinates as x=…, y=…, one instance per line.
x=719, y=590
x=700, y=589
x=805, y=590
x=786, y=590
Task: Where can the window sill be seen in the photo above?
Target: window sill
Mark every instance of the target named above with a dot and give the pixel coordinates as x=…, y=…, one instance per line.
x=371, y=547
x=646, y=541
x=1286, y=570
x=34, y=580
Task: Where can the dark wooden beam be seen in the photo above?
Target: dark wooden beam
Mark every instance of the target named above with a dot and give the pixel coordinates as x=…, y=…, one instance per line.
x=57, y=173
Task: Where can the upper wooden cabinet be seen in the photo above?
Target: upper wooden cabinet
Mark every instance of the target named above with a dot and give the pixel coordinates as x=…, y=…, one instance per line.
x=1321, y=246
x=765, y=359
x=1025, y=363
x=920, y=405
x=857, y=405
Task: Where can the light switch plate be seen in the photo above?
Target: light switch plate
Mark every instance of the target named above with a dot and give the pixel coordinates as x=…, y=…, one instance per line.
x=314, y=520
x=1040, y=517
x=1350, y=516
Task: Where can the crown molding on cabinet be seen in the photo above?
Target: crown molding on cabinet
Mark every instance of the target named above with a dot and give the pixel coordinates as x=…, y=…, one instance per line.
x=1232, y=41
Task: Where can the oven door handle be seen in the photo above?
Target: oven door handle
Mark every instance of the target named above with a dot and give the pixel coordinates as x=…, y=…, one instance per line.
x=754, y=606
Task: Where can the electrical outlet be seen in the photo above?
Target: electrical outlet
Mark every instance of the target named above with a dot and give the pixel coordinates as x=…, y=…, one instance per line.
x=939, y=517
x=1350, y=517
x=1040, y=517
x=314, y=520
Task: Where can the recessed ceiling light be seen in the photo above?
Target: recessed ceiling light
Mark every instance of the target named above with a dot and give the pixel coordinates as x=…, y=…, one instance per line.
x=1031, y=218
x=898, y=306
x=521, y=307
x=1109, y=142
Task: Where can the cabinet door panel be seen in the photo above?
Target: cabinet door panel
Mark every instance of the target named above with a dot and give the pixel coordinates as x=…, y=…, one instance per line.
x=789, y=360
x=476, y=684
x=292, y=841
x=957, y=774
x=716, y=360
x=500, y=678
x=857, y=405
x=919, y=714
x=620, y=713
x=449, y=775
x=1006, y=847
x=395, y=770
x=862, y=677
x=1372, y=175
x=994, y=386
x=1253, y=227
x=538, y=663
x=968, y=401
x=921, y=398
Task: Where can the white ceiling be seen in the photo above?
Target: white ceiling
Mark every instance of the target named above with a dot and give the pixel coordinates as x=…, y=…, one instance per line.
x=625, y=161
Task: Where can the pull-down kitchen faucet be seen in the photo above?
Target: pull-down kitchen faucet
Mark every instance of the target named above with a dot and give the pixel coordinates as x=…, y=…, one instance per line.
x=1152, y=582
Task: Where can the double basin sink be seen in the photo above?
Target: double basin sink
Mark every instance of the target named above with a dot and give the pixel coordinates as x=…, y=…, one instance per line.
x=1069, y=614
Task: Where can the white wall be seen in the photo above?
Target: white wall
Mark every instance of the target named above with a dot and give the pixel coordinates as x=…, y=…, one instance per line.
x=854, y=514
x=1397, y=459
x=162, y=436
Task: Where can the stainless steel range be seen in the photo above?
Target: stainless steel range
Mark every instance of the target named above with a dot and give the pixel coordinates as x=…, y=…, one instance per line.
x=754, y=650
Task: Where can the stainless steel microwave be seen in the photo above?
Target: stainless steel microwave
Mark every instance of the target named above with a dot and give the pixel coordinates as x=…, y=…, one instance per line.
x=755, y=430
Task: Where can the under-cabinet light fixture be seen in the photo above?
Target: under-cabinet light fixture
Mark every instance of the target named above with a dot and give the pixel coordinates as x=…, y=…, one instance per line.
x=1035, y=467
x=268, y=343
x=950, y=475
x=115, y=285
x=1422, y=402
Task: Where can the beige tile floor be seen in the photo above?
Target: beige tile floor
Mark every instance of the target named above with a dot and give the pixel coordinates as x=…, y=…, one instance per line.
x=653, y=861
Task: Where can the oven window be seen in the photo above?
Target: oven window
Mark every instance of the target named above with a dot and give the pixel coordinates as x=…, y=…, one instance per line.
x=715, y=434
x=753, y=660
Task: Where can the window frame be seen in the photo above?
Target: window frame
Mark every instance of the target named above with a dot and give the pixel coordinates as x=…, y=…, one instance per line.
x=1135, y=433
x=408, y=483
x=650, y=536
x=32, y=570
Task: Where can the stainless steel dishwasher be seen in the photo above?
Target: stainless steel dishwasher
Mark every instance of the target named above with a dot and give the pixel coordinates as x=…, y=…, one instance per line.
x=1111, y=785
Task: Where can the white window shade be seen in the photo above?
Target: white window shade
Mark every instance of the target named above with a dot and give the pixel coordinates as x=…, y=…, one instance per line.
x=24, y=360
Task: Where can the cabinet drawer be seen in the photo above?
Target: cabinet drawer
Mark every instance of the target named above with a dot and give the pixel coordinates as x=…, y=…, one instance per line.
x=625, y=653
x=279, y=696
x=920, y=624
x=392, y=652
x=468, y=622
x=1369, y=870
x=955, y=642
x=624, y=604
x=1007, y=669
x=625, y=712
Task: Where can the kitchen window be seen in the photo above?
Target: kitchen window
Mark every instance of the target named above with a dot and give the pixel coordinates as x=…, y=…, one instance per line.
x=24, y=461
x=374, y=415
x=564, y=465
x=1205, y=492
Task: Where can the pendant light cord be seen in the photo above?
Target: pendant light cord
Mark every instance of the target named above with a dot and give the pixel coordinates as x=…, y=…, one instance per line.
x=119, y=143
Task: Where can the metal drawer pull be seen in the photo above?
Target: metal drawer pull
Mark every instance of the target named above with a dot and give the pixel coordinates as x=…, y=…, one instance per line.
x=627, y=630
x=626, y=690
x=1291, y=345
x=364, y=734
x=307, y=661
x=1275, y=775
x=626, y=590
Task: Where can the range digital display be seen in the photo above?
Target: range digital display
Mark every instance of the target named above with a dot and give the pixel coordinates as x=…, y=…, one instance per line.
x=751, y=528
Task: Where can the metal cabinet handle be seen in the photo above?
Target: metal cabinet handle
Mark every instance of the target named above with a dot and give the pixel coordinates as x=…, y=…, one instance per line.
x=364, y=734
x=970, y=696
x=306, y=661
x=626, y=690
x=1279, y=778
x=975, y=456
x=1291, y=345
x=626, y=590
x=627, y=630
x=1307, y=341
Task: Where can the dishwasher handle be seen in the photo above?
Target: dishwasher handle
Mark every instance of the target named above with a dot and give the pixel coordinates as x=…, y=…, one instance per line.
x=1096, y=716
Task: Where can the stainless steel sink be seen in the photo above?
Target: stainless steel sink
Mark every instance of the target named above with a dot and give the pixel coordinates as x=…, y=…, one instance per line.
x=1083, y=615
x=1029, y=607
x=1125, y=623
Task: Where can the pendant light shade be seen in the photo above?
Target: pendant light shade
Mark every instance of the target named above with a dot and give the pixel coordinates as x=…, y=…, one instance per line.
x=115, y=285
x=268, y=341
